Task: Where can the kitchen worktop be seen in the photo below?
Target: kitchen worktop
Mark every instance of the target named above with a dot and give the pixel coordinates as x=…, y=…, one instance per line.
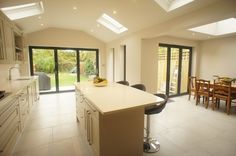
x=116, y=97
x=13, y=86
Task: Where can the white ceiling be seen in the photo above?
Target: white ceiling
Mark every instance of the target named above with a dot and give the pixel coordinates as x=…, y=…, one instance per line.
x=136, y=15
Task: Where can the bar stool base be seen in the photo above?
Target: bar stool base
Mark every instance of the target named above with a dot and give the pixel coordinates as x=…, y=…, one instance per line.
x=151, y=146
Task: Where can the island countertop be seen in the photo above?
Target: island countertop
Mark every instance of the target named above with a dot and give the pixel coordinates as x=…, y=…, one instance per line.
x=116, y=97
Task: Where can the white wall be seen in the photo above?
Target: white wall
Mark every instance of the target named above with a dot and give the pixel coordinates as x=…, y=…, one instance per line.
x=56, y=37
x=218, y=57
x=133, y=59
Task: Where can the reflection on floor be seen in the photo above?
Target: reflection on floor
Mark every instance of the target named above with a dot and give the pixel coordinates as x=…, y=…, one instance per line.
x=182, y=129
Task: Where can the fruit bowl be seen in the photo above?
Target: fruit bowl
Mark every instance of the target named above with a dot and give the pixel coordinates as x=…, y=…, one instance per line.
x=100, y=84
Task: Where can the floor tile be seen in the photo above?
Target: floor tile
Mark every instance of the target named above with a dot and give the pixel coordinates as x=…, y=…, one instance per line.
x=182, y=128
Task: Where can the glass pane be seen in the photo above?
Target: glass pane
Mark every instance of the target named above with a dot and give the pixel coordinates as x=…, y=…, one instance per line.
x=174, y=65
x=162, y=67
x=43, y=66
x=67, y=69
x=88, y=68
x=185, y=70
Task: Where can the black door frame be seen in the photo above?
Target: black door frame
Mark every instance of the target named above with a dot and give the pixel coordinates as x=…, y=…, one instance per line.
x=55, y=51
x=180, y=47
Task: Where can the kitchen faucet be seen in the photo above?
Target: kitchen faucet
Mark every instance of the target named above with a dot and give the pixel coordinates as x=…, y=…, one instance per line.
x=9, y=71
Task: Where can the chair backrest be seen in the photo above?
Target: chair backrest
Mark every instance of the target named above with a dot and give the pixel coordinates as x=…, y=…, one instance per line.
x=155, y=109
x=222, y=89
x=139, y=86
x=123, y=82
x=202, y=86
x=192, y=83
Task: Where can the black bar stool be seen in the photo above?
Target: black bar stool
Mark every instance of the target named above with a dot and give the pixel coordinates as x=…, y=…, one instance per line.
x=151, y=145
x=123, y=82
x=139, y=86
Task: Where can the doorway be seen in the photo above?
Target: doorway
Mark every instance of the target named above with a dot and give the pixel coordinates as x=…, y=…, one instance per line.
x=174, y=68
x=59, y=68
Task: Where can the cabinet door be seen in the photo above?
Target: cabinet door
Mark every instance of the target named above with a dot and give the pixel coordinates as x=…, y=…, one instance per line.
x=81, y=111
x=24, y=106
x=92, y=127
x=30, y=95
x=2, y=44
x=9, y=41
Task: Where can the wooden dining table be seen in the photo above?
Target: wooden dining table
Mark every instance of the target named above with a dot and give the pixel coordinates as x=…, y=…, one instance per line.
x=233, y=86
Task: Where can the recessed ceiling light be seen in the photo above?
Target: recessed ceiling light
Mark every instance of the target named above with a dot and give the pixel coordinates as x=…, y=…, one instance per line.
x=22, y=11
x=42, y=24
x=111, y=24
x=114, y=12
x=74, y=7
x=223, y=27
x=170, y=5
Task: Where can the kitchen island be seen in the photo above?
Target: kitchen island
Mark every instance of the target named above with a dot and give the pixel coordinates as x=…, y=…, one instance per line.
x=112, y=117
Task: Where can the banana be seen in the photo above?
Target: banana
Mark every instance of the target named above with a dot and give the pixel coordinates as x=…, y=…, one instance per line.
x=99, y=80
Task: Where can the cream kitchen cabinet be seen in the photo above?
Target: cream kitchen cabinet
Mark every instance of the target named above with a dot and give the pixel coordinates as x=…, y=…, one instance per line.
x=9, y=125
x=24, y=106
x=14, y=111
x=88, y=117
x=2, y=41
x=11, y=41
x=33, y=94
x=92, y=126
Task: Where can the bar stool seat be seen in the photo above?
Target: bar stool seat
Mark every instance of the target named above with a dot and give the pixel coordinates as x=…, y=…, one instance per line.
x=123, y=82
x=139, y=86
x=151, y=145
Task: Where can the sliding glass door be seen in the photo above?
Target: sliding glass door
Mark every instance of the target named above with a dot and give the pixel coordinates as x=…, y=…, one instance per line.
x=59, y=68
x=43, y=65
x=67, y=61
x=174, y=64
x=88, y=64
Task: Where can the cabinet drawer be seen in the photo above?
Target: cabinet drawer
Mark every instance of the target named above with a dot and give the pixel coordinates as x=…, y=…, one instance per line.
x=23, y=98
x=11, y=119
x=8, y=146
x=8, y=134
x=8, y=111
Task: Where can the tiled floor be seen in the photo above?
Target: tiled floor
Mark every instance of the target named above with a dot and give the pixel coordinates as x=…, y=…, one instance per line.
x=182, y=128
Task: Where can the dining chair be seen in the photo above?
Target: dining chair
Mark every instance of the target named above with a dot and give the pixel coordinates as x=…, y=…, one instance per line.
x=203, y=90
x=222, y=90
x=192, y=86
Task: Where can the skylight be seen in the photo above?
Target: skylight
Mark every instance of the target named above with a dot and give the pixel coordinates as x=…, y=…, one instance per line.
x=170, y=5
x=223, y=27
x=111, y=24
x=22, y=11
